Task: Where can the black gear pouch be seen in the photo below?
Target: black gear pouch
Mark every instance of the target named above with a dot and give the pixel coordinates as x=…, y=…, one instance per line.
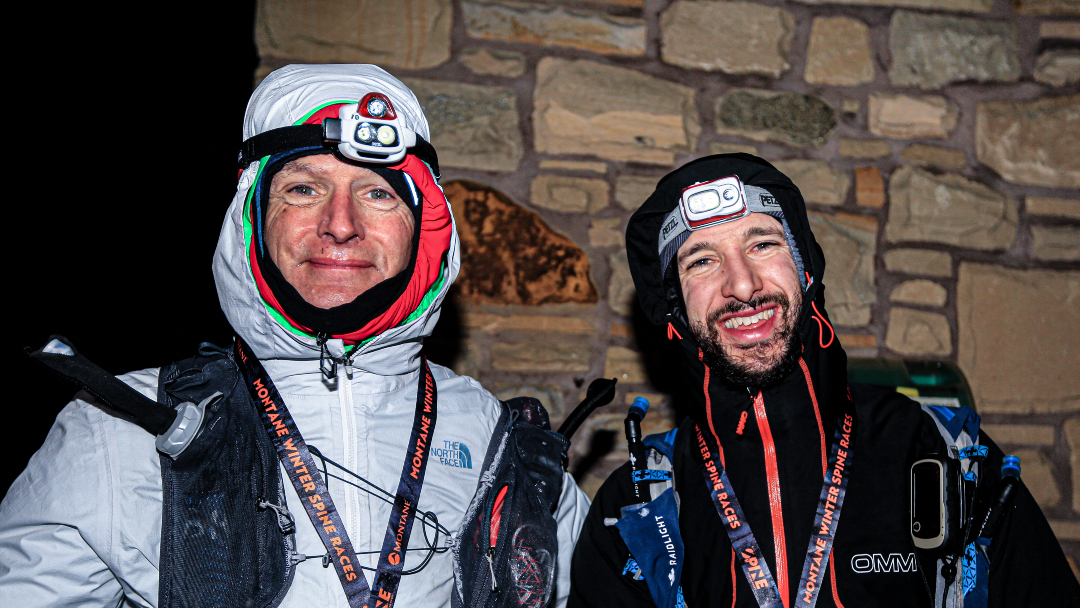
x=226, y=538
x=506, y=551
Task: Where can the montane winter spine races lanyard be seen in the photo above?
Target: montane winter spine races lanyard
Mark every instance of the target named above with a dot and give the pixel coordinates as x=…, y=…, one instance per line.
x=746, y=547
x=311, y=488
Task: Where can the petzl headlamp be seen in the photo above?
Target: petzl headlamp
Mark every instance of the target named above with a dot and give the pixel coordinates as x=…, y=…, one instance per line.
x=710, y=203
x=721, y=200
x=368, y=131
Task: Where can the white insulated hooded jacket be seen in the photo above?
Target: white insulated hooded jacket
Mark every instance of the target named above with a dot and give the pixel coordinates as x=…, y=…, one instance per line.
x=81, y=526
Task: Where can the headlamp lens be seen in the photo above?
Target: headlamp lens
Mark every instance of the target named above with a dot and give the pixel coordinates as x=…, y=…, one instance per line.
x=386, y=134
x=376, y=107
x=365, y=133
x=703, y=201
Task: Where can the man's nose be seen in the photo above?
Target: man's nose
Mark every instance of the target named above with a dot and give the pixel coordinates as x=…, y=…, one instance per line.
x=341, y=219
x=741, y=279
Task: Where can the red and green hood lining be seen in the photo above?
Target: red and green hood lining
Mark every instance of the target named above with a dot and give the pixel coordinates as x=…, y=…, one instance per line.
x=394, y=301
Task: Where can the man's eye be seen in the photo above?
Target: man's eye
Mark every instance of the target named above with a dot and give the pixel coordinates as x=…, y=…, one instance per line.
x=380, y=195
x=765, y=245
x=303, y=190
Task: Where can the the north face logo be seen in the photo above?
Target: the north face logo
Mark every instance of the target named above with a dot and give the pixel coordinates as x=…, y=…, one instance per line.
x=864, y=563
x=453, y=454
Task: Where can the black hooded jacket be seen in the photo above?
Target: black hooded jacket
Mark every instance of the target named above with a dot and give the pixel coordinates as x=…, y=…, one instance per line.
x=799, y=418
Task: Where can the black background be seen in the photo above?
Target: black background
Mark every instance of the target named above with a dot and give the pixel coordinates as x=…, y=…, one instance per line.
x=122, y=138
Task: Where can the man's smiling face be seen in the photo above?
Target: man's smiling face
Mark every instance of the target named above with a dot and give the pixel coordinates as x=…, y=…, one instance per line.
x=742, y=297
x=335, y=230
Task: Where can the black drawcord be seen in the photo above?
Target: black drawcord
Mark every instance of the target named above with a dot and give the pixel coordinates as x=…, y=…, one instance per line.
x=328, y=372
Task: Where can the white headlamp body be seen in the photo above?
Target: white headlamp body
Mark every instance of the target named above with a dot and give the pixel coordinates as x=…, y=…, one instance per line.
x=710, y=203
x=373, y=140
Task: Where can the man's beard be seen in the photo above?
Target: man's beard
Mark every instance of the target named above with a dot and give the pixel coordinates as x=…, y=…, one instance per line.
x=755, y=368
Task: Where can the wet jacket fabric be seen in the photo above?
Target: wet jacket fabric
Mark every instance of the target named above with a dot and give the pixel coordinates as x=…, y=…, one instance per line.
x=81, y=526
x=776, y=466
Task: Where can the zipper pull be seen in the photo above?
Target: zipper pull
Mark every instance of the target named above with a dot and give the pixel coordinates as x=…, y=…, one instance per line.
x=490, y=555
x=743, y=416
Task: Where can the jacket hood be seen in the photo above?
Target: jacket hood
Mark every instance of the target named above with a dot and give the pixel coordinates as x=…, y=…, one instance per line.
x=389, y=343
x=643, y=231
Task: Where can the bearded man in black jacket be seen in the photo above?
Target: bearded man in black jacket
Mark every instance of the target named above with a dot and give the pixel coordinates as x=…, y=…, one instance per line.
x=723, y=257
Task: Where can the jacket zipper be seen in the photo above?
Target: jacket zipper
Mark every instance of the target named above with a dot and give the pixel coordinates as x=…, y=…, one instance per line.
x=772, y=474
x=493, y=533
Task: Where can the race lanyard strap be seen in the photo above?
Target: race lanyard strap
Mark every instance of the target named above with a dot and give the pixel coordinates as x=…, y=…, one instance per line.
x=311, y=488
x=746, y=547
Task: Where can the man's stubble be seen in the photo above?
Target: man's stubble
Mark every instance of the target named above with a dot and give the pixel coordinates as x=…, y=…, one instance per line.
x=757, y=368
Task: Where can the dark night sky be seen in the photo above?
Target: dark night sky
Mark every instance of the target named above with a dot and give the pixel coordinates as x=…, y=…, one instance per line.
x=125, y=141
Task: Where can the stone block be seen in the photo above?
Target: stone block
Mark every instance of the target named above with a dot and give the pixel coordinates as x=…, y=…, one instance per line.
x=908, y=117
x=549, y=25
x=849, y=242
x=493, y=323
x=626, y=365
x=723, y=147
x=948, y=209
x=858, y=341
x=922, y=155
x=818, y=181
x=583, y=166
x=1065, y=530
x=919, y=261
x=1046, y=7
x=415, y=36
x=1014, y=366
x=632, y=190
x=581, y=107
x=970, y=6
x=538, y=357
x=920, y=291
x=930, y=51
x=1038, y=476
x=472, y=126
x=918, y=333
x=510, y=256
x=624, y=330
x=743, y=38
x=839, y=52
x=850, y=106
x=1041, y=205
x=549, y=395
x=606, y=232
x=1072, y=434
x=1058, y=68
x=1031, y=142
x=1023, y=434
x=792, y=118
x=1062, y=30
x=569, y=194
x=622, y=296
x=491, y=62
x=864, y=148
x=869, y=187
x=1056, y=243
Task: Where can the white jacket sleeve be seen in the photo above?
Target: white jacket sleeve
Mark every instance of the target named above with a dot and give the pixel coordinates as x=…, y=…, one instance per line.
x=570, y=515
x=78, y=527
x=50, y=515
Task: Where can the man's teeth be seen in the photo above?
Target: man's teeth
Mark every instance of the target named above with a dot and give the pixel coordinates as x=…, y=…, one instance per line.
x=734, y=322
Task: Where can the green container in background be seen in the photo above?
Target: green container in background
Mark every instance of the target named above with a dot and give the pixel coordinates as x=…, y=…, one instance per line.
x=928, y=382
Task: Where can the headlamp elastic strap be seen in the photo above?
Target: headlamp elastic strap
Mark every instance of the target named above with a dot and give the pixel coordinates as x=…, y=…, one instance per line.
x=280, y=140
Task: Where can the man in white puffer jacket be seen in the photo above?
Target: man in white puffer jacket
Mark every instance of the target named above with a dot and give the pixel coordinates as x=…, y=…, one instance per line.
x=82, y=525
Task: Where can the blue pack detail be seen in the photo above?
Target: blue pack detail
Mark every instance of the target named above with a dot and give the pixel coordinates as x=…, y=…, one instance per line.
x=956, y=419
x=650, y=475
x=651, y=533
x=971, y=476
x=662, y=442
x=974, y=451
x=631, y=567
x=976, y=571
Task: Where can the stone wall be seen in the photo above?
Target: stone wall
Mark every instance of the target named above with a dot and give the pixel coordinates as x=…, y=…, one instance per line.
x=934, y=140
